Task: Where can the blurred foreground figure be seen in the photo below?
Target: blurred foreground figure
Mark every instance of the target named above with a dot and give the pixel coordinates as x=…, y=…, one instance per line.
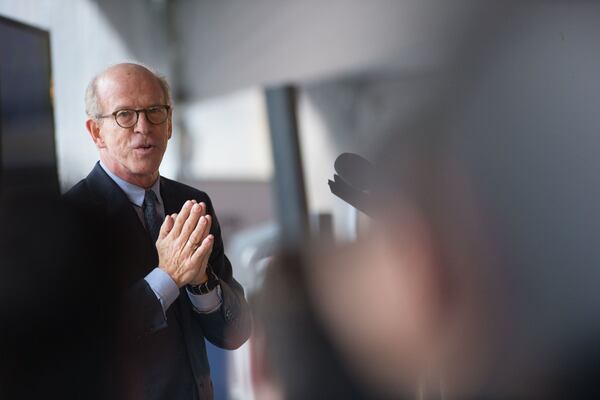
x=480, y=276
x=58, y=302
x=292, y=356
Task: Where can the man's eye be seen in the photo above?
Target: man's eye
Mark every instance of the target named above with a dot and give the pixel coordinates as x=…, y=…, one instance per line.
x=154, y=110
x=124, y=114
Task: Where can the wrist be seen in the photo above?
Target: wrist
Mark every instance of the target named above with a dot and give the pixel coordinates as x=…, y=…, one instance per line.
x=200, y=280
x=173, y=277
x=205, y=286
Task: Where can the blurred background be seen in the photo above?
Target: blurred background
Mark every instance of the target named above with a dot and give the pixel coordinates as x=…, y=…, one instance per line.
x=267, y=94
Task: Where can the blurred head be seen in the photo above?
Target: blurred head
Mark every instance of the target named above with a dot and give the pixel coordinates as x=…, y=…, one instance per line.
x=292, y=357
x=134, y=153
x=408, y=302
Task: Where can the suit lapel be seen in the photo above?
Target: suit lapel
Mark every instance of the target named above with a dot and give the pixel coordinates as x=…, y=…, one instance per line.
x=172, y=200
x=123, y=217
x=109, y=193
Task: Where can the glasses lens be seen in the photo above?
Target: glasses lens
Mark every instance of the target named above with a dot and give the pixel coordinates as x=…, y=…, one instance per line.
x=126, y=118
x=157, y=115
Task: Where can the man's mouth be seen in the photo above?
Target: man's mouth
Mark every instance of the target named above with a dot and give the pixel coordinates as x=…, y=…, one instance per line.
x=144, y=148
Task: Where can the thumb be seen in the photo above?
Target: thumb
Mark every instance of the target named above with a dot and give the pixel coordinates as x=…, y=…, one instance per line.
x=166, y=227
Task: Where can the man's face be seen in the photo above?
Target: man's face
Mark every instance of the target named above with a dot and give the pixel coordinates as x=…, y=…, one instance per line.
x=134, y=154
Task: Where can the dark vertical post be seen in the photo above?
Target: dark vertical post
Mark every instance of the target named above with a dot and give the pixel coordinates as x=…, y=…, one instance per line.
x=290, y=194
x=1, y=139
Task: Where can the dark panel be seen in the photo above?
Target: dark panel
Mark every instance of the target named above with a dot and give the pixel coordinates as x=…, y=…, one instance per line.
x=27, y=148
x=289, y=179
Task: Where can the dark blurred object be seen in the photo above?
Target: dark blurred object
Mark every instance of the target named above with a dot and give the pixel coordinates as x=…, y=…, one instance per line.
x=57, y=302
x=354, y=182
x=356, y=170
x=27, y=148
x=289, y=179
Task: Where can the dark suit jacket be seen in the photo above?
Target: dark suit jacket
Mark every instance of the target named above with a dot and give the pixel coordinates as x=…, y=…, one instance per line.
x=145, y=323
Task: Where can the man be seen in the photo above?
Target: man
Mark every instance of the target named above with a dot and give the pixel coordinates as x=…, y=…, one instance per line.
x=180, y=287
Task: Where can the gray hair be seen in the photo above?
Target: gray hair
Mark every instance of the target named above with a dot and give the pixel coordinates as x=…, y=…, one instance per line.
x=92, y=100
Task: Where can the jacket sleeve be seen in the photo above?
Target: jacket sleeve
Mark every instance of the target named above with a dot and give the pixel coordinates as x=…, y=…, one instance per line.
x=143, y=314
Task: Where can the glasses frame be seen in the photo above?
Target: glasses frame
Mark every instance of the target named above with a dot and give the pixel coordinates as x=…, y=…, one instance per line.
x=137, y=115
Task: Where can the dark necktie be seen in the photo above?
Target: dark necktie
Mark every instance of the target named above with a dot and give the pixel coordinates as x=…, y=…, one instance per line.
x=151, y=216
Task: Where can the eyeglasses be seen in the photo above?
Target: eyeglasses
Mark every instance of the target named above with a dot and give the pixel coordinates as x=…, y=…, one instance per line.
x=126, y=118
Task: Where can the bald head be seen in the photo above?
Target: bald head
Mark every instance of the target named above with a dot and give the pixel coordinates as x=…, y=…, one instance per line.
x=119, y=73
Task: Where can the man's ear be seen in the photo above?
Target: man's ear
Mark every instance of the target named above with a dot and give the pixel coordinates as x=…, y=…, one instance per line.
x=93, y=128
x=170, y=124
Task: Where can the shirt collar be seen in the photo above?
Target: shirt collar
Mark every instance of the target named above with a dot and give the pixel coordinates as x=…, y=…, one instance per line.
x=134, y=193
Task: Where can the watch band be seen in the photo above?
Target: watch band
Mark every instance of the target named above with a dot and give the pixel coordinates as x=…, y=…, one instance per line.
x=204, y=288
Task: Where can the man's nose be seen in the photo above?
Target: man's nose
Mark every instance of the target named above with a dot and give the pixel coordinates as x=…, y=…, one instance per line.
x=142, y=125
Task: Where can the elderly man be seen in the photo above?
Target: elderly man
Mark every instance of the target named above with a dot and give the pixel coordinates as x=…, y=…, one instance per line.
x=179, y=283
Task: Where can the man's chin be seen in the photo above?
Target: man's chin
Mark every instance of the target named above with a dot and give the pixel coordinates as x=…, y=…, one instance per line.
x=144, y=171
x=145, y=165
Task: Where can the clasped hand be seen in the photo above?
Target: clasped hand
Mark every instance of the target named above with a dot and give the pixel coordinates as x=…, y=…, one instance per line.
x=184, y=244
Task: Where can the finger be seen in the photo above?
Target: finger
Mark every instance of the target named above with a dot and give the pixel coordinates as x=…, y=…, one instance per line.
x=181, y=218
x=203, y=261
x=206, y=229
x=203, y=229
x=190, y=223
x=202, y=253
x=166, y=227
x=197, y=235
x=172, y=224
x=203, y=205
